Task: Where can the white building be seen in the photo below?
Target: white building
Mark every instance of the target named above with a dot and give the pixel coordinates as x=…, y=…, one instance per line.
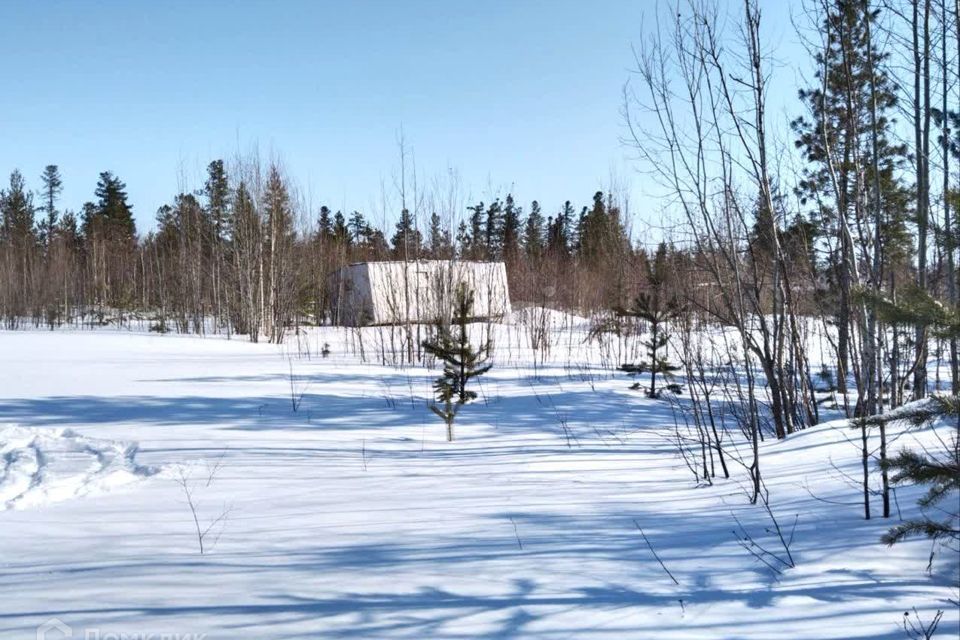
x=378, y=293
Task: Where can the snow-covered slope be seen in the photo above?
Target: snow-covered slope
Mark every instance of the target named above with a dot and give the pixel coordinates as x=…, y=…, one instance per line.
x=353, y=518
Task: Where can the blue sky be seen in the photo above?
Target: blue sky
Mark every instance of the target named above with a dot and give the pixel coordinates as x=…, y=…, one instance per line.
x=520, y=96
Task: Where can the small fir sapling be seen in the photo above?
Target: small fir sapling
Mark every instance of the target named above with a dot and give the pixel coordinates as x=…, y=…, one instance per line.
x=461, y=360
x=658, y=306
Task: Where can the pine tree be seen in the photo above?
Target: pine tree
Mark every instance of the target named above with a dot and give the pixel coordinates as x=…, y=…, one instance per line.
x=357, y=227
x=940, y=474
x=461, y=361
x=850, y=113
x=937, y=469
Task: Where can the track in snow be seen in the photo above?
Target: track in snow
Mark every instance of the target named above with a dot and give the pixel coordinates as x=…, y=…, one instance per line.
x=43, y=465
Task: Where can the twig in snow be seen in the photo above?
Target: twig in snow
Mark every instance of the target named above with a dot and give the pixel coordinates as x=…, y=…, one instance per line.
x=653, y=551
x=920, y=630
x=217, y=524
x=516, y=533
x=773, y=561
x=212, y=471
x=296, y=395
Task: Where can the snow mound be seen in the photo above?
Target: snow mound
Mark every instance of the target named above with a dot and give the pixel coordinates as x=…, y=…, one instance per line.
x=43, y=465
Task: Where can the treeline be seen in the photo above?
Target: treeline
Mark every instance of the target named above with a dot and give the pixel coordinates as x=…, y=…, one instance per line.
x=852, y=204
x=244, y=255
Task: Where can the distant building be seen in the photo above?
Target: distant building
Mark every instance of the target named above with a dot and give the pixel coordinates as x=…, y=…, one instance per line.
x=421, y=291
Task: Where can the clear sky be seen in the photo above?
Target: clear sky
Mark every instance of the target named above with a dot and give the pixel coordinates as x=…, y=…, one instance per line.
x=520, y=96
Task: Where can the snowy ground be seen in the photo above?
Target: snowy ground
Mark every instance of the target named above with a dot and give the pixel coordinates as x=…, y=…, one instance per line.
x=353, y=518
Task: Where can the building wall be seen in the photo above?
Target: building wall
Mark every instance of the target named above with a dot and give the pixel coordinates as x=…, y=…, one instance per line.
x=399, y=292
x=349, y=291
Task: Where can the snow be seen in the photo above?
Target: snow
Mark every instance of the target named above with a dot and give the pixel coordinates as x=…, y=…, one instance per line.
x=49, y=465
x=352, y=517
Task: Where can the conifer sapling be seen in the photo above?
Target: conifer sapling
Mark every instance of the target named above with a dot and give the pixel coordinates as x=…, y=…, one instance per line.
x=461, y=361
x=657, y=306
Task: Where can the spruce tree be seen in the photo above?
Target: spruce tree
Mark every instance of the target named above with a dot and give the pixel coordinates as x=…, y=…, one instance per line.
x=341, y=231
x=17, y=213
x=576, y=239
x=90, y=223
x=407, y=239
x=657, y=305
x=440, y=245
x=493, y=231
x=216, y=189
x=475, y=246
x=113, y=209
x=510, y=230
x=463, y=241
x=601, y=232
x=18, y=237
x=533, y=232
x=324, y=225
x=375, y=243
x=559, y=233
x=462, y=361
x=52, y=186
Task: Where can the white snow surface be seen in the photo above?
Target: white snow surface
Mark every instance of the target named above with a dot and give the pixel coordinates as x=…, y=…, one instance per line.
x=43, y=465
x=352, y=517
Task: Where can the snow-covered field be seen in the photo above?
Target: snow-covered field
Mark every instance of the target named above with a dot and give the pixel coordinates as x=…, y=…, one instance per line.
x=352, y=517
